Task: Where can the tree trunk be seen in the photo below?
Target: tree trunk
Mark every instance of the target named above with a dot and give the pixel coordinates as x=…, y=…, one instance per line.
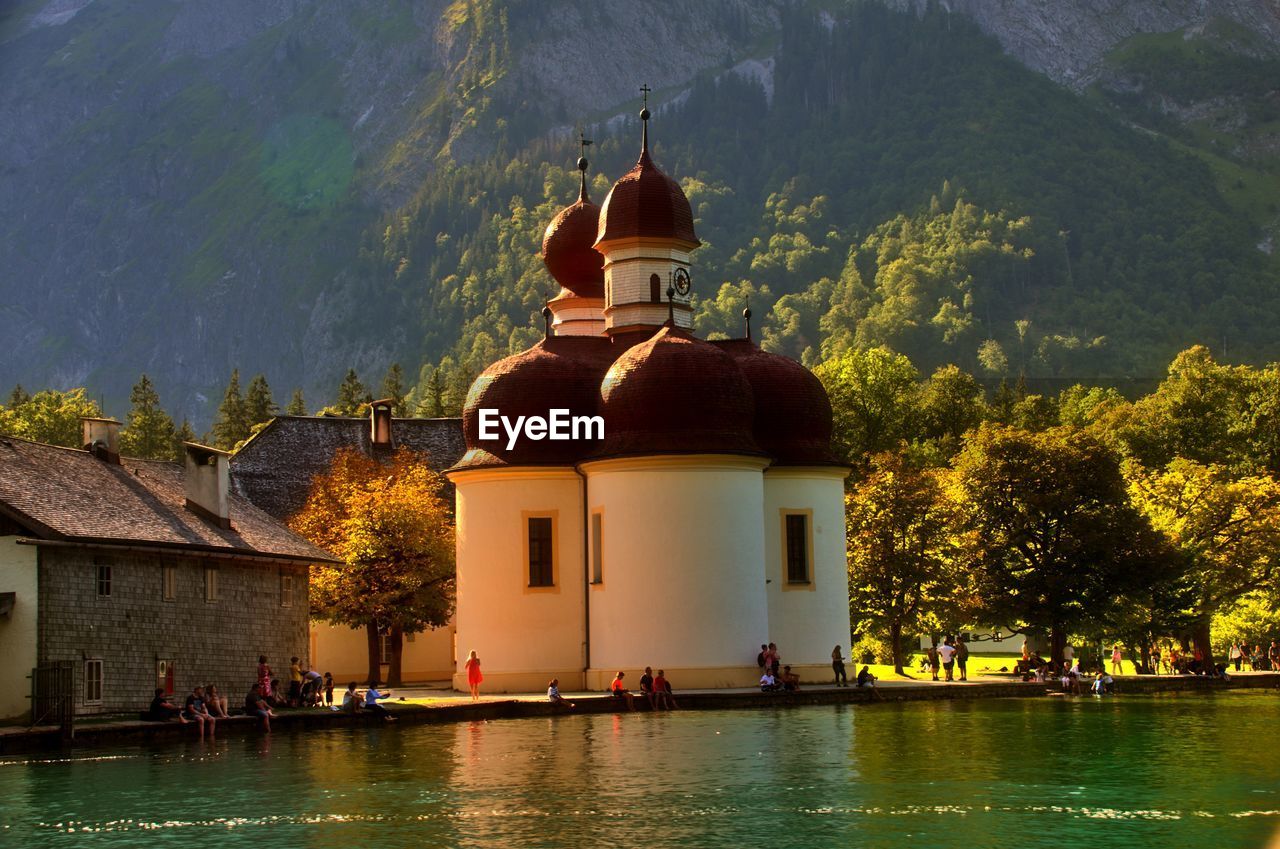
x=375, y=652
x=895, y=639
x=1200, y=635
x=397, y=647
x=1145, y=650
x=1057, y=641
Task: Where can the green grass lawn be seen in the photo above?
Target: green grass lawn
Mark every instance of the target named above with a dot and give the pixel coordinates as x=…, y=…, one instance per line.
x=979, y=664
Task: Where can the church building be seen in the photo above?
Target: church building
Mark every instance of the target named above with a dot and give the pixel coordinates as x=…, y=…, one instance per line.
x=708, y=518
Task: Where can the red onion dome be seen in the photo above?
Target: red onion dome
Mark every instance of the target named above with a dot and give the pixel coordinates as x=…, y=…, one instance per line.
x=646, y=203
x=676, y=394
x=793, y=412
x=560, y=372
x=567, y=248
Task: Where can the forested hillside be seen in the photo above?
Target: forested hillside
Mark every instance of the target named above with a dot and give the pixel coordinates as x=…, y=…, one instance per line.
x=298, y=194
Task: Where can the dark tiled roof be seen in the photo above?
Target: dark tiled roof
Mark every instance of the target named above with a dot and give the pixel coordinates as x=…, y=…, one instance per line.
x=561, y=372
x=676, y=393
x=70, y=495
x=567, y=251
x=793, y=412
x=275, y=469
x=646, y=203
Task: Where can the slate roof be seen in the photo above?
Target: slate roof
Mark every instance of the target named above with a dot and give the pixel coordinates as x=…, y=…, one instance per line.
x=275, y=468
x=65, y=494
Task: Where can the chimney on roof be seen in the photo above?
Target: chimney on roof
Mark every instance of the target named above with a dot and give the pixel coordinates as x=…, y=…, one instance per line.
x=207, y=480
x=380, y=422
x=101, y=438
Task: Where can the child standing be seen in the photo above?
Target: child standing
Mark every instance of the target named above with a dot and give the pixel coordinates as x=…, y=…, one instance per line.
x=328, y=689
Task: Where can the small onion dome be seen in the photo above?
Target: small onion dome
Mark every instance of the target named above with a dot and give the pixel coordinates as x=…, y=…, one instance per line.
x=560, y=372
x=676, y=394
x=567, y=248
x=645, y=203
x=793, y=412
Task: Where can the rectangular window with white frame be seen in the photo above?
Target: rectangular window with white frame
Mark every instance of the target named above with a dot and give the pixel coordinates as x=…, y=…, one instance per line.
x=286, y=589
x=93, y=682
x=103, y=576
x=211, y=583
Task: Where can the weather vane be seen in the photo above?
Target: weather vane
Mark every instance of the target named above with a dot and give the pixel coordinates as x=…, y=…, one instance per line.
x=583, y=144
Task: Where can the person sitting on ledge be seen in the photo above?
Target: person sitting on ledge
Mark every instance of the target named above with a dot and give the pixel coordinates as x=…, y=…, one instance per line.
x=195, y=711
x=557, y=700
x=163, y=710
x=790, y=680
x=866, y=679
x=619, y=690
x=216, y=703
x=371, y=697
x=646, y=687
x=351, y=699
x=769, y=684
x=255, y=704
x=662, y=691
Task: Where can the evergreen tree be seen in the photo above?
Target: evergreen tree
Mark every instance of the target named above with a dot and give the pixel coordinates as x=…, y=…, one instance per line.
x=18, y=397
x=297, y=406
x=432, y=403
x=148, y=431
x=232, y=425
x=259, y=405
x=351, y=395
x=393, y=388
x=183, y=434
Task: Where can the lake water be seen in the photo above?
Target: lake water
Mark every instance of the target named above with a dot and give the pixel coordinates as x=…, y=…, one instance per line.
x=1131, y=771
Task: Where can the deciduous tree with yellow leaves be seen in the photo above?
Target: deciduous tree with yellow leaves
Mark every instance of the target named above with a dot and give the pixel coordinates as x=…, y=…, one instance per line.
x=392, y=530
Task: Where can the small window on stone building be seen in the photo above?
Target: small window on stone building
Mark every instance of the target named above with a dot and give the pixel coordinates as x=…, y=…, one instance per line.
x=169, y=582
x=541, y=567
x=286, y=590
x=93, y=682
x=384, y=649
x=797, y=528
x=211, y=583
x=104, y=578
x=655, y=288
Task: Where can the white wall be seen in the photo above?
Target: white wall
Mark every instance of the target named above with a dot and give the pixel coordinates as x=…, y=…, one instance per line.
x=345, y=652
x=683, y=577
x=522, y=635
x=18, y=573
x=807, y=621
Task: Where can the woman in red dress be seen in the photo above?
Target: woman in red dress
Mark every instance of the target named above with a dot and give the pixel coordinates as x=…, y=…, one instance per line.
x=473, y=676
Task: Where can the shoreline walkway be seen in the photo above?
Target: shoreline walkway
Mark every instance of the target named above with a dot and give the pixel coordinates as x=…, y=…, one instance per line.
x=436, y=704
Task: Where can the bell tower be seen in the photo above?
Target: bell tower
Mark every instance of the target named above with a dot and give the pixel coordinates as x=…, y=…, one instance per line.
x=646, y=236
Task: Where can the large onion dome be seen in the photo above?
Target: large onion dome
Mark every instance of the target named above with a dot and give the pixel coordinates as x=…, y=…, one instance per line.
x=793, y=413
x=646, y=203
x=567, y=246
x=676, y=394
x=560, y=372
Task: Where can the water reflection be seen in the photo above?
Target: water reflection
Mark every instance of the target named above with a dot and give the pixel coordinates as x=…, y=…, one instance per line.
x=1123, y=772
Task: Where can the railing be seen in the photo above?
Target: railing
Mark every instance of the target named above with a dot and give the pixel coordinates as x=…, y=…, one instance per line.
x=53, y=695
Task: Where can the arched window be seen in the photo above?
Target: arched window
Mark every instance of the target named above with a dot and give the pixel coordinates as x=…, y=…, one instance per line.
x=655, y=288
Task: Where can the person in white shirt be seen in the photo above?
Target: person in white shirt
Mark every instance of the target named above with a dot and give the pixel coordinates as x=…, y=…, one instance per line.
x=557, y=700
x=769, y=684
x=947, y=654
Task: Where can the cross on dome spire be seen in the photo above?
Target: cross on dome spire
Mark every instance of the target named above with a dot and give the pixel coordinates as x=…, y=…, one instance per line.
x=583, y=144
x=644, y=120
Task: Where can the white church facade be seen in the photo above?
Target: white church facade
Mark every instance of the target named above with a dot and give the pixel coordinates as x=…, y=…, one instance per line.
x=708, y=519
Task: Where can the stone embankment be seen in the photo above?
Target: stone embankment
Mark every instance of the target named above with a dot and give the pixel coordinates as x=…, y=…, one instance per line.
x=449, y=708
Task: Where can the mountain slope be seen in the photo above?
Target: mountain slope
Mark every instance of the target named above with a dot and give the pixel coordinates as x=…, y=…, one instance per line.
x=299, y=187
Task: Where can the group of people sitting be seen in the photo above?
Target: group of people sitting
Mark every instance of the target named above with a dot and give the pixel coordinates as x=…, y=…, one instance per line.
x=655, y=690
x=203, y=707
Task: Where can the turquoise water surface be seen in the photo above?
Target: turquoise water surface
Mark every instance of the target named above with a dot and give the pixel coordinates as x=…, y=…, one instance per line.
x=1131, y=771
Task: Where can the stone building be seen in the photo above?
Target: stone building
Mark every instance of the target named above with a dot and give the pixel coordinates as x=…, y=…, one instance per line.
x=274, y=470
x=141, y=573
